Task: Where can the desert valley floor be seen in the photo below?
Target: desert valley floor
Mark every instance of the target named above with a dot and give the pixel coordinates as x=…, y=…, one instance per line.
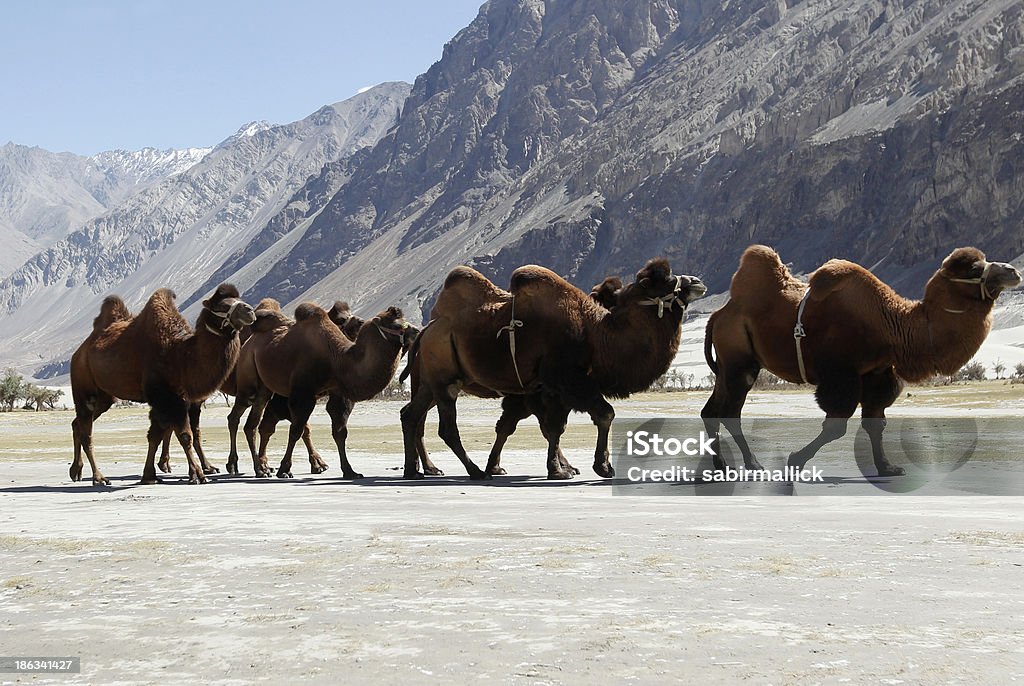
x=517, y=580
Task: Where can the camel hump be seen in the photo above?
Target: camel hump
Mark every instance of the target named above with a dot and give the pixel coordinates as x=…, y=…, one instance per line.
x=835, y=275
x=308, y=311
x=112, y=310
x=268, y=319
x=160, y=319
x=539, y=292
x=760, y=269
x=465, y=289
x=269, y=304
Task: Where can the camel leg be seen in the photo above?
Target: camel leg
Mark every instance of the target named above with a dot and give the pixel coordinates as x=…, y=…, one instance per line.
x=725, y=406
x=259, y=404
x=234, y=418
x=300, y=407
x=194, y=411
x=514, y=409
x=87, y=412
x=879, y=390
x=448, y=430
x=602, y=414
x=553, y=426
x=276, y=410
x=838, y=393
x=156, y=436
x=339, y=408
x=428, y=465
x=165, y=454
x=413, y=416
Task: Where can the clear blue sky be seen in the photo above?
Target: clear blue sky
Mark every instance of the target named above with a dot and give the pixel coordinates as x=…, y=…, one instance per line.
x=91, y=75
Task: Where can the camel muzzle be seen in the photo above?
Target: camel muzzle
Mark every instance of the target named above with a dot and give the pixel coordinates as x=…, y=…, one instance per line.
x=1002, y=275
x=241, y=314
x=695, y=288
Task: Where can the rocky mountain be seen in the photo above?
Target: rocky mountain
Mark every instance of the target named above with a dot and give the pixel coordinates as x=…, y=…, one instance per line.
x=589, y=135
x=179, y=231
x=46, y=195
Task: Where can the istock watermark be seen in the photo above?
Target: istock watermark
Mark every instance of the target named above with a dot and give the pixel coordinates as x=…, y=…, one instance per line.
x=908, y=455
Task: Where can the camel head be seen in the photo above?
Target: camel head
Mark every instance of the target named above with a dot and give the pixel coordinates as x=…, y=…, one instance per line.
x=269, y=304
x=344, y=319
x=656, y=285
x=392, y=327
x=226, y=305
x=606, y=293
x=967, y=275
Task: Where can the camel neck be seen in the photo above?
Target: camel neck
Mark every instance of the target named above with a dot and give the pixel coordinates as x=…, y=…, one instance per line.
x=633, y=347
x=366, y=367
x=939, y=340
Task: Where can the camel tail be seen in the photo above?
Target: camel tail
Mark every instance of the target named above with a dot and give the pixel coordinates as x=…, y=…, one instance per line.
x=414, y=350
x=112, y=310
x=709, y=355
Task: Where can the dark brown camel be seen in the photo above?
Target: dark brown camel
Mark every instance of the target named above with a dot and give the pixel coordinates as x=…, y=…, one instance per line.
x=158, y=359
x=862, y=339
x=514, y=408
x=277, y=407
x=312, y=358
x=568, y=349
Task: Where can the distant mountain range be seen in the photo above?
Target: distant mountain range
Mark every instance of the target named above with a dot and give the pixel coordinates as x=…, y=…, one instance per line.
x=587, y=136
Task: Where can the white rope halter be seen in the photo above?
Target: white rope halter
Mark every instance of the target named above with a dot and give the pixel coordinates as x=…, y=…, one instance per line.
x=511, y=328
x=985, y=293
x=798, y=333
x=670, y=299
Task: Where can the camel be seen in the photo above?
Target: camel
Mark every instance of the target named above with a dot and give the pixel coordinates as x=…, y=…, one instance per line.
x=514, y=408
x=277, y=407
x=859, y=340
x=568, y=353
x=156, y=358
x=312, y=358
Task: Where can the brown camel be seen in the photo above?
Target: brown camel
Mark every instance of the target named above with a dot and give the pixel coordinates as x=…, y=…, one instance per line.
x=312, y=358
x=155, y=358
x=514, y=408
x=277, y=407
x=861, y=339
x=569, y=352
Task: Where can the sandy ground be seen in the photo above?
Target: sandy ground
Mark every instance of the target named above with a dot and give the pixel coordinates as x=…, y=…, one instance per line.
x=518, y=580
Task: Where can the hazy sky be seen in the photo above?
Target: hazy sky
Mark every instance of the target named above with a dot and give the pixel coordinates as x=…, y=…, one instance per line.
x=85, y=76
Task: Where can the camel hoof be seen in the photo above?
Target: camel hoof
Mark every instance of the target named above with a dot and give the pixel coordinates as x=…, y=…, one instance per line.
x=231, y=468
x=317, y=468
x=102, y=481
x=892, y=470
x=165, y=467
x=497, y=471
x=432, y=471
x=284, y=475
x=574, y=470
x=351, y=475
x=198, y=479
x=210, y=469
x=75, y=473
x=795, y=461
x=604, y=470
x=564, y=475
x=480, y=476
x=754, y=466
x=412, y=475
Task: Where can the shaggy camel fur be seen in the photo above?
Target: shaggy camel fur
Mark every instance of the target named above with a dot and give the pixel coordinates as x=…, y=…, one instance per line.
x=568, y=349
x=515, y=408
x=155, y=358
x=277, y=406
x=311, y=358
x=862, y=339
